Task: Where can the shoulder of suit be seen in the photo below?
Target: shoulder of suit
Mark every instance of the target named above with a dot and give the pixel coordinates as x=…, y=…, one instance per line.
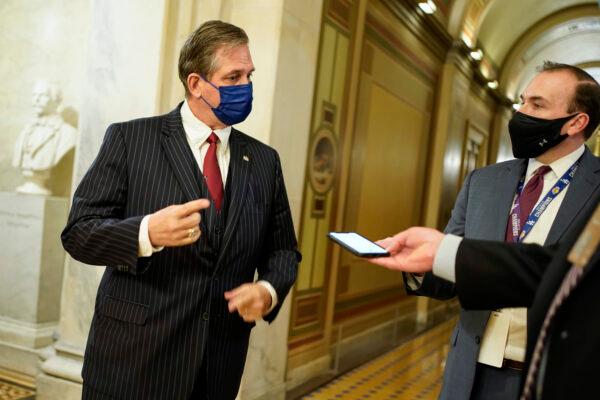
x=254, y=143
x=143, y=125
x=489, y=173
x=500, y=166
x=587, y=154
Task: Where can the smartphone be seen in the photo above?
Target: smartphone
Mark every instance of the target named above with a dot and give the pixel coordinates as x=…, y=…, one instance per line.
x=358, y=244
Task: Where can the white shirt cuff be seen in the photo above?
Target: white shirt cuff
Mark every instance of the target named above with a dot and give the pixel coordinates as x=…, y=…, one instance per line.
x=444, y=263
x=145, y=248
x=272, y=292
x=413, y=281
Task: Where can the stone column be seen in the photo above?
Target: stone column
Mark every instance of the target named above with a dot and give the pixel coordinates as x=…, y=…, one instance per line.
x=121, y=78
x=31, y=266
x=284, y=43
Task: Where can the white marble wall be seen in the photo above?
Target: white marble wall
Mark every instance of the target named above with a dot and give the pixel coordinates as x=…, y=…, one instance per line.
x=40, y=39
x=293, y=95
x=120, y=82
x=31, y=266
x=31, y=256
x=284, y=44
x=112, y=59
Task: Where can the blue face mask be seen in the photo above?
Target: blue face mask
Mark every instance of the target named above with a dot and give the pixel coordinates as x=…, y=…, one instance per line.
x=235, y=105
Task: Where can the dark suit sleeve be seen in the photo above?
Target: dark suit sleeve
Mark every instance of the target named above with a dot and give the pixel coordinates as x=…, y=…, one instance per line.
x=97, y=232
x=492, y=275
x=281, y=257
x=435, y=287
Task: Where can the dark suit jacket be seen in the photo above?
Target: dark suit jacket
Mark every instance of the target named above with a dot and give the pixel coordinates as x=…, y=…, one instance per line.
x=481, y=212
x=158, y=319
x=493, y=275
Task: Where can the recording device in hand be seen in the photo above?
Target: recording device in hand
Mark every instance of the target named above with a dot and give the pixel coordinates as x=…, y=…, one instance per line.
x=358, y=244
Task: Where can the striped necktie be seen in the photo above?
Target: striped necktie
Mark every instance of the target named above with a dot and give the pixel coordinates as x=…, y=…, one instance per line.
x=569, y=282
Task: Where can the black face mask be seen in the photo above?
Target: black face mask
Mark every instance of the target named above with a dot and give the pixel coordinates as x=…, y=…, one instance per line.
x=531, y=136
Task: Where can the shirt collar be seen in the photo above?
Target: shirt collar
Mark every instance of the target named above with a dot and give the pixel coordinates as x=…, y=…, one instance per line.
x=560, y=166
x=197, y=131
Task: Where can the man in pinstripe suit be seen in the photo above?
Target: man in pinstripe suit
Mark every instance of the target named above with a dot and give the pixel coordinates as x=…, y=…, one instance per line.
x=183, y=209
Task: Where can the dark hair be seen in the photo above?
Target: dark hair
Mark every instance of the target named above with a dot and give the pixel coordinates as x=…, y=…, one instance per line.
x=198, y=52
x=587, y=94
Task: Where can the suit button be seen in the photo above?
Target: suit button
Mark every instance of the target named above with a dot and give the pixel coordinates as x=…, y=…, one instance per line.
x=477, y=339
x=564, y=335
x=205, y=316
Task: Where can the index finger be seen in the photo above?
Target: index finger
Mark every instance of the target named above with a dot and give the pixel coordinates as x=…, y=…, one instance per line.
x=389, y=263
x=400, y=241
x=385, y=243
x=230, y=294
x=193, y=206
x=393, y=244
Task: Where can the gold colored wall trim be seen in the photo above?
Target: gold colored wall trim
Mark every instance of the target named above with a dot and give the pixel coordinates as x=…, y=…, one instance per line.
x=589, y=64
x=428, y=30
x=346, y=139
x=359, y=297
x=17, y=378
x=339, y=12
x=387, y=41
x=336, y=15
x=304, y=342
x=366, y=304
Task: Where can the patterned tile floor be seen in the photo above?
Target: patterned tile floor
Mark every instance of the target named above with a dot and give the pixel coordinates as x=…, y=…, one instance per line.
x=411, y=371
x=8, y=391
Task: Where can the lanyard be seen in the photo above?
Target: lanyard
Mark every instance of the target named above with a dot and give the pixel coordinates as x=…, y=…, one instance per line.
x=519, y=232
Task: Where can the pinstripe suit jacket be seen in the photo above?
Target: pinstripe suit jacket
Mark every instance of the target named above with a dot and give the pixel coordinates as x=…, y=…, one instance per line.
x=158, y=319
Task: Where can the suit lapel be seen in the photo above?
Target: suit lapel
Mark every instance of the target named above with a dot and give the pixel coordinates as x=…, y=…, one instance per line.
x=504, y=193
x=237, y=178
x=585, y=182
x=181, y=159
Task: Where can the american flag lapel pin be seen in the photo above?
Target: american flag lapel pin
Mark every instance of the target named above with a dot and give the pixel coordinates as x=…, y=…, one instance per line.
x=246, y=158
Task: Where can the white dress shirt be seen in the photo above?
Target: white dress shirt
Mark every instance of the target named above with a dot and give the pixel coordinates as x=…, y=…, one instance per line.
x=444, y=263
x=197, y=132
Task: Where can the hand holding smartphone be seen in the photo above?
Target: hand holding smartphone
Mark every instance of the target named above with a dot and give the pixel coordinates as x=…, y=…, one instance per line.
x=358, y=244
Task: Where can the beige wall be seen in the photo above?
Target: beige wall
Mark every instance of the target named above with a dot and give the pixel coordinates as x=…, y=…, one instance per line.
x=462, y=106
x=389, y=154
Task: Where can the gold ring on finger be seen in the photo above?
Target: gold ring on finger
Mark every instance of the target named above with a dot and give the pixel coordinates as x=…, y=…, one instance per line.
x=191, y=233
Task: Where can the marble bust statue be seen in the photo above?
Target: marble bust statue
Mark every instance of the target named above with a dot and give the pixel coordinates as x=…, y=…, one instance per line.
x=44, y=141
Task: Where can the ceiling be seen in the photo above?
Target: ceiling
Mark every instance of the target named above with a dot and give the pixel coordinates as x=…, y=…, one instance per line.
x=575, y=42
x=505, y=21
x=519, y=35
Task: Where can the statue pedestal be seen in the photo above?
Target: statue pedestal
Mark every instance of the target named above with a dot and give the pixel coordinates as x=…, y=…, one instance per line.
x=35, y=183
x=31, y=266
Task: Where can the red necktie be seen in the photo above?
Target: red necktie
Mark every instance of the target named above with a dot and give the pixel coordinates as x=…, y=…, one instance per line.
x=212, y=172
x=528, y=198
